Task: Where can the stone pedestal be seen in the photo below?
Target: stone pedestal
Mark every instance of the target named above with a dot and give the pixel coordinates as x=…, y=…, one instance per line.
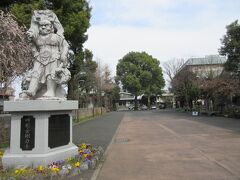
x=41, y=132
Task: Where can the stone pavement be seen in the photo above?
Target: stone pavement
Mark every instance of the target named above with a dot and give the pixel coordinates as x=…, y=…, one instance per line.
x=162, y=144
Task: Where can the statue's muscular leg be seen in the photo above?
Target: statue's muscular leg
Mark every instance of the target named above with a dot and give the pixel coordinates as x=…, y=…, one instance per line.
x=51, y=87
x=33, y=85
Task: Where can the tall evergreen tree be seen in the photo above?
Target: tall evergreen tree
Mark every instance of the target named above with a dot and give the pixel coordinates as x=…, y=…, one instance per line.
x=231, y=47
x=140, y=73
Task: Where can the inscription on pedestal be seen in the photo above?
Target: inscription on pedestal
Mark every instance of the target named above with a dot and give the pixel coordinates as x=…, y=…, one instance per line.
x=59, y=130
x=27, y=137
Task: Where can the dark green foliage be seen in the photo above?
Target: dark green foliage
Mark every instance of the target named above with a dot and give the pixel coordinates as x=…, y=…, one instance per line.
x=132, y=83
x=231, y=46
x=89, y=68
x=114, y=96
x=5, y=4
x=23, y=10
x=115, y=93
x=74, y=15
x=140, y=73
x=84, y=81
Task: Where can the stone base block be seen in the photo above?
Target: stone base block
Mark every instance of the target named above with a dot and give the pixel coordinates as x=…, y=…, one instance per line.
x=33, y=160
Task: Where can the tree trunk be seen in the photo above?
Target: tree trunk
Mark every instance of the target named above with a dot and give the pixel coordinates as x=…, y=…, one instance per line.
x=136, y=103
x=187, y=102
x=149, y=101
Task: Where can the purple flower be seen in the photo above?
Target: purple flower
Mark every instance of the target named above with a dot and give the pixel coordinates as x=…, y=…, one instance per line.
x=79, y=156
x=61, y=162
x=88, y=161
x=86, y=151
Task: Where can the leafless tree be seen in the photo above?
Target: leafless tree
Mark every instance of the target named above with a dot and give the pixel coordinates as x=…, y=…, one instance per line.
x=103, y=77
x=172, y=67
x=15, y=51
x=104, y=84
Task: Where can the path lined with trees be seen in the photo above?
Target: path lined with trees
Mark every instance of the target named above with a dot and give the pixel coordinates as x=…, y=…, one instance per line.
x=164, y=144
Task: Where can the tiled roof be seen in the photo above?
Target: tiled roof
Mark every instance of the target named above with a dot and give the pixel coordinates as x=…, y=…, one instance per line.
x=210, y=59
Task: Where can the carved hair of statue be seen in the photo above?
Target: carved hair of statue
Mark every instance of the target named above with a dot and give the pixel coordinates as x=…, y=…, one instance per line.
x=41, y=15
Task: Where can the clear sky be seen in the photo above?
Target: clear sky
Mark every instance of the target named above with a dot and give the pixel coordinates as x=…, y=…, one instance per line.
x=165, y=29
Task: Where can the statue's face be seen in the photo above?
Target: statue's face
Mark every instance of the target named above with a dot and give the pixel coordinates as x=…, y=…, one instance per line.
x=45, y=27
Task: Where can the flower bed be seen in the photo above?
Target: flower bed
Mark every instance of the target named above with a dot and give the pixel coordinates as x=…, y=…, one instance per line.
x=1, y=155
x=87, y=158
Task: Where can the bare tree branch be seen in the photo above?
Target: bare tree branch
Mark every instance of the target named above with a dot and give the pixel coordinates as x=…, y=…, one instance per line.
x=15, y=51
x=172, y=67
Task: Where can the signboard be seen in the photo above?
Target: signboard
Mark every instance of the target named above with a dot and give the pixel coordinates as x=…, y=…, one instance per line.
x=59, y=130
x=27, y=137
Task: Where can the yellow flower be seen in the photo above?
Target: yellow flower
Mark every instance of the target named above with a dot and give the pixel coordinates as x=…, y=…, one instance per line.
x=80, y=151
x=69, y=159
x=85, y=155
x=20, y=171
x=83, y=146
x=1, y=154
x=77, y=164
x=40, y=168
x=55, y=169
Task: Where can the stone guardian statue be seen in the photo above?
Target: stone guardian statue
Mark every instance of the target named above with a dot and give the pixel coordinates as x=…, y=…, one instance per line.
x=50, y=51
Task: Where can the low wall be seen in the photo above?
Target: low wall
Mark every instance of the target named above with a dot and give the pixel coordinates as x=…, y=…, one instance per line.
x=83, y=113
x=5, y=124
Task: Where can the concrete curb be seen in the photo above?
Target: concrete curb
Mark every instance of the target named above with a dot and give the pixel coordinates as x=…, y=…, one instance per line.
x=101, y=162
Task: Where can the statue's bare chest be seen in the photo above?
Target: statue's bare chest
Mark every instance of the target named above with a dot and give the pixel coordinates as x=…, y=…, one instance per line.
x=50, y=41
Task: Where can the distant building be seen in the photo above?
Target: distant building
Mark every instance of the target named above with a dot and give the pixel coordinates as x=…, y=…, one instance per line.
x=168, y=99
x=126, y=99
x=211, y=65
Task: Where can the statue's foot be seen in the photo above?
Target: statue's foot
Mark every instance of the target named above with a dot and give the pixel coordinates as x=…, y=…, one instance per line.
x=25, y=95
x=48, y=94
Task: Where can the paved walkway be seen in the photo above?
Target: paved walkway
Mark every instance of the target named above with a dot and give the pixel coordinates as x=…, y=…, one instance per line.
x=98, y=132
x=160, y=145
